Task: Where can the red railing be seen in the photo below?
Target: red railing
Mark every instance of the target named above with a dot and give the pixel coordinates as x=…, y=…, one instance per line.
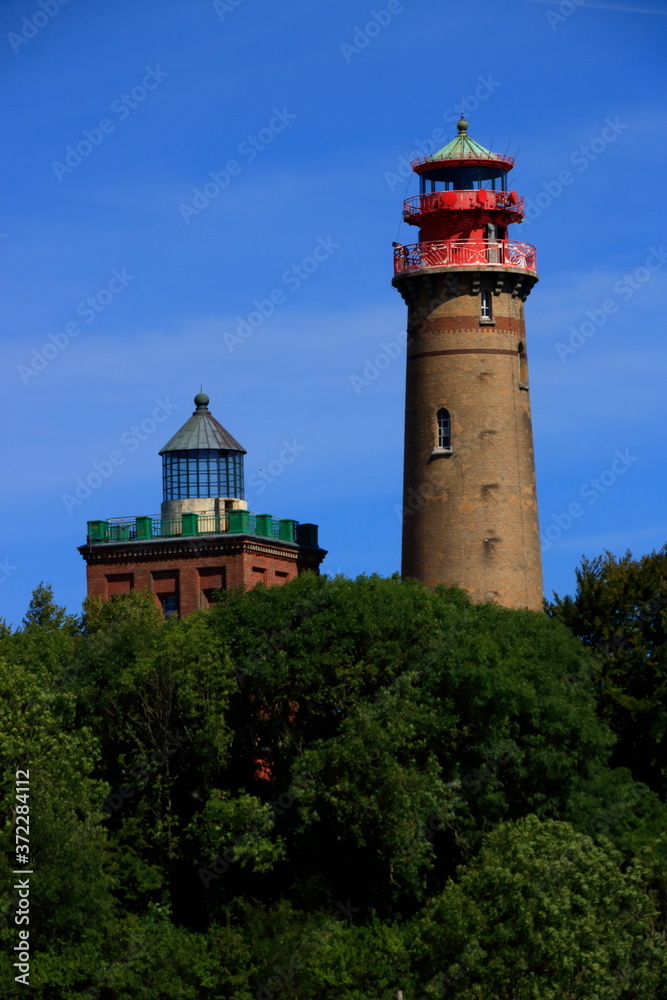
x=475, y=158
x=464, y=253
x=443, y=201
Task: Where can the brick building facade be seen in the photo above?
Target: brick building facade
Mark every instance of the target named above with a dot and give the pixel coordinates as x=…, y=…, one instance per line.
x=204, y=539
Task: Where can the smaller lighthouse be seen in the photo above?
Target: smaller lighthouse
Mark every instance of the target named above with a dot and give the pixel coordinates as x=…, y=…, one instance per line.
x=202, y=467
x=205, y=539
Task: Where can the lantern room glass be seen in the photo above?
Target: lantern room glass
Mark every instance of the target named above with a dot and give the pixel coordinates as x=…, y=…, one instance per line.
x=201, y=474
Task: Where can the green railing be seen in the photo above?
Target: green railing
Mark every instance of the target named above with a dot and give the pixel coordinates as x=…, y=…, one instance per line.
x=231, y=522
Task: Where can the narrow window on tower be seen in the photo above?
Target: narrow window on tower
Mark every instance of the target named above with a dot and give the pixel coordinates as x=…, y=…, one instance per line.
x=523, y=367
x=485, y=307
x=444, y=430
x=493, y=249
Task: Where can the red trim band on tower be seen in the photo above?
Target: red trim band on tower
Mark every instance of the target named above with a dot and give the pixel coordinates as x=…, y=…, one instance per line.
x=462, y=350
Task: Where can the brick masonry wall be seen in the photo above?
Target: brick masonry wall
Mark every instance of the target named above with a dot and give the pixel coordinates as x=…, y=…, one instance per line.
x=470, y=517
x=188, y=567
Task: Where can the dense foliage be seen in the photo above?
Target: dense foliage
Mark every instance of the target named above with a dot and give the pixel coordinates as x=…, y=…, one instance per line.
x=619, y=611
x=338, y=788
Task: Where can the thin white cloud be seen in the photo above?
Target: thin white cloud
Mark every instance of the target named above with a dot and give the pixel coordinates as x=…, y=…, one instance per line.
x=610, y=6
x=638, y=540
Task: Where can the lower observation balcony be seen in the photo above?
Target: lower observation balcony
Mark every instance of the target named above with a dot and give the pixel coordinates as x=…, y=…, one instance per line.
x=464, y=253
x=445, y=201
x=232, y=522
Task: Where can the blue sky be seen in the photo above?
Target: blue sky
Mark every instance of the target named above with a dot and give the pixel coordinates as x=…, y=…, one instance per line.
x=305, y=112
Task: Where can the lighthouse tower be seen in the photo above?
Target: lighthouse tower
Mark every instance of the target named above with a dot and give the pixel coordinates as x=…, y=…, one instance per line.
x=469, y=501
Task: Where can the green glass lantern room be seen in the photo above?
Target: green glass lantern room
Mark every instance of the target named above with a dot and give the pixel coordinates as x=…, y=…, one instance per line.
x=202, y=460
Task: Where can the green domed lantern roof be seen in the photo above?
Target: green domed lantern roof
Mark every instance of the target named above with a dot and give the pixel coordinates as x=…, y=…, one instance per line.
x=462, y=151
x=202, y=432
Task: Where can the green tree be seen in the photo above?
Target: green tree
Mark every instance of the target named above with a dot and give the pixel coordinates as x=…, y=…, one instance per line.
x=345, y=745
x=619, y=611
x=158, y=694
x=402, y=724
x=71, y=901
x=43, y=612
x=542, y=913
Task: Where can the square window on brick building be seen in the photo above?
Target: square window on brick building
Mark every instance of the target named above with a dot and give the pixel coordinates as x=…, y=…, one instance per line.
x=119, y=583
x=211, y=580
x=165, y=588
x=169, y=603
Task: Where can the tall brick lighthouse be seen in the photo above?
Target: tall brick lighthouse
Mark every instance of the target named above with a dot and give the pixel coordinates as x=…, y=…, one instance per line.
x=469, y=499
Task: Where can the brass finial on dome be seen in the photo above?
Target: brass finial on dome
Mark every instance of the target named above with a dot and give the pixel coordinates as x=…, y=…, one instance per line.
x=201, y=401
x=462, y=125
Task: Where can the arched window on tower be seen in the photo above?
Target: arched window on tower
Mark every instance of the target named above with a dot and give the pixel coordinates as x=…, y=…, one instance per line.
x=485, y=306
x=444, y=429
x=523, y=367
